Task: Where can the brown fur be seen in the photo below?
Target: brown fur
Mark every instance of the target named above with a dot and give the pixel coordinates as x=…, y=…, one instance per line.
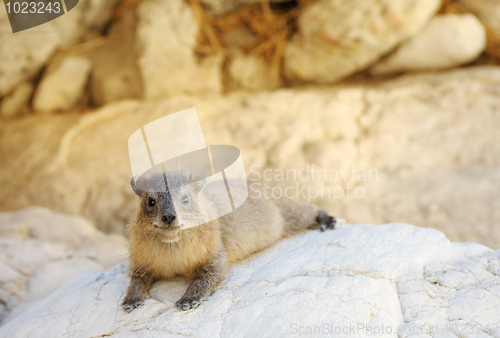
x=202, y=253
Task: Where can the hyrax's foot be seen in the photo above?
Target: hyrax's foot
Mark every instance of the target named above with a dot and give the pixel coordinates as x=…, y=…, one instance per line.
x=133, y=301
x=325, y=220
x=189, y=301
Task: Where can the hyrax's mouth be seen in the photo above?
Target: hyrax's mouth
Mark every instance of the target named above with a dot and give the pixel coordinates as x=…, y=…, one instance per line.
x=167, y=233
x=170, y=239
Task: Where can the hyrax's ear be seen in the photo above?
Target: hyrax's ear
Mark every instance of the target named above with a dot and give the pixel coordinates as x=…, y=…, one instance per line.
x=134, y=187
x=197, y=180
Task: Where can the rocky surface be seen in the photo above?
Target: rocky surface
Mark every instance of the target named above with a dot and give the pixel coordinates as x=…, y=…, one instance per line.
x=17, y=102
x=63, y=84
x=358, y=280
x=150, y=54
x=115, y=73
x=252, y=73
x=448, y=41
x=338, y=38
x=152, y=51
x=25, y=53
x=42, y=250
x=487, y=10
x=166, y=31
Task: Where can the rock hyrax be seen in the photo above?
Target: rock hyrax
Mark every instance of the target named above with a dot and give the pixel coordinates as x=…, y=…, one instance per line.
x=160, y=249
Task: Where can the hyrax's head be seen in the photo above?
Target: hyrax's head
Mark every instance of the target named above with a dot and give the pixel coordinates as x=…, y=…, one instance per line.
x=170, y=202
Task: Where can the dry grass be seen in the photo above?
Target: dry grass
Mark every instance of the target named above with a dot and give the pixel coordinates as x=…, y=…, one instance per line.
x=270, y=27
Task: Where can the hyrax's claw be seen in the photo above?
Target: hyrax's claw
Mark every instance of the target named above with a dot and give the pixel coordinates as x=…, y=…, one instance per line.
x=128, y=307
x=325, y=221
x=189, y=301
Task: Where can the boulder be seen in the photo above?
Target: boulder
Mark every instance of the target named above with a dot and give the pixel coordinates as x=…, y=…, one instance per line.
x=487, y=10
x=42, y=250
x=167, y=33
x=17, y=103
x=448, y=41
x=251, y=72
x=115, y=73
x=337, y=38
x=63, y=84
x=358, y=280
x=150, y=54
x=422, y=149
x=23, y=54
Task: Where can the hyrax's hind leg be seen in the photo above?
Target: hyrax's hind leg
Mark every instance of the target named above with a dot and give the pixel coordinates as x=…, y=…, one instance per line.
x=324, y=220
x=300, y=216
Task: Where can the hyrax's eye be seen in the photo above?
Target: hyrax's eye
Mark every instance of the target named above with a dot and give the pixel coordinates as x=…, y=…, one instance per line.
x=151, y=202
x=185, y=199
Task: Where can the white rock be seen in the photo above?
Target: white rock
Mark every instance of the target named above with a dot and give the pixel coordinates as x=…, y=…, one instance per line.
x=487, y=10
x=448, y=41
x=17, y=103
x=42, y=250
x=115, y=73
x=251, y=72
x=23, y=54
x=150, y=53
x=63, y=85
x=96, y=14
x=337, y=38
x=359, y=280
x=166, y=32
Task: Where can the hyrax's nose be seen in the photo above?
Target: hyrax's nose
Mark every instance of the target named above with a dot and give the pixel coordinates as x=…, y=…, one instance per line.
x=168, y=218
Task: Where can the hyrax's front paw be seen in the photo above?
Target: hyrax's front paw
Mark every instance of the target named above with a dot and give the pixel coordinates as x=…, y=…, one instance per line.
x=189, y=301
x=325, y=220
x=133, y=301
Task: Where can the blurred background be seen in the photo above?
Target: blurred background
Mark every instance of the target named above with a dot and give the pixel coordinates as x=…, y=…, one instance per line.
x=390, y=109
